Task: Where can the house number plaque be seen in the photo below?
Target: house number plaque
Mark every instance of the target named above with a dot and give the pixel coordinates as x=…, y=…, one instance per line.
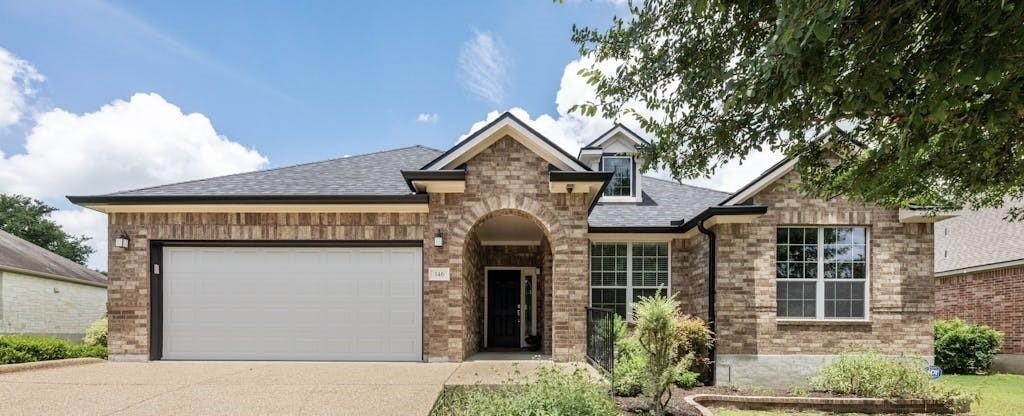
x=439, y=274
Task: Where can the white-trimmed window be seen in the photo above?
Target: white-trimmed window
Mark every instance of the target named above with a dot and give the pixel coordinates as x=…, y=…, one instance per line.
x=621, y=167
x=622, y=273
x=822, y=272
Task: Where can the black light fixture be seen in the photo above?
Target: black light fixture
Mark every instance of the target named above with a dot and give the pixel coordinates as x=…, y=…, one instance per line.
x=122, y=240
x=439, y=239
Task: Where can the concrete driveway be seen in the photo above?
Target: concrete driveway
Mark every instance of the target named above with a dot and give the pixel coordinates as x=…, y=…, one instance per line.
x=222, y=388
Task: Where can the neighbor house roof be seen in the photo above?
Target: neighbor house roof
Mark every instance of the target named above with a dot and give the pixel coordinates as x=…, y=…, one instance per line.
x=24, y=257
x=664, y=202
x=978, y=240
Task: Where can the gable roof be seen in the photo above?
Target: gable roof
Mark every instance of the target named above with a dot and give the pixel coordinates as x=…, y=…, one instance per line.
x=617, y=128
x=525, y=134
x=376, y=174
x=21, y=256
x=664, y=202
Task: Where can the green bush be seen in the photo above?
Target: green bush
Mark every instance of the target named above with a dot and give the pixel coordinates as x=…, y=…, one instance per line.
x=869, y=374
x=963, y=348
x=87, y=351
x=97, y=333
x=656, y=329
x=629, y=368
x=553, y=392
x=696, y=338
x=10, y=355
x=25, y=348
x=39, y=348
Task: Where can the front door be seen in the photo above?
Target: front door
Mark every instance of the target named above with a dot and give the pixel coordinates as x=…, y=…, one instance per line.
x=503, y=308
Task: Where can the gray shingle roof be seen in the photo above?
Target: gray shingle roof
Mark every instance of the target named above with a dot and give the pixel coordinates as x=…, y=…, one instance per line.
x=978, y=238
x=663, y=202
x=380, y=174
x=369, y=174
x=16, y=253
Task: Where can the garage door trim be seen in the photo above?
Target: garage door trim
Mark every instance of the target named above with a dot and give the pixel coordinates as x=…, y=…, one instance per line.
x=156, y=247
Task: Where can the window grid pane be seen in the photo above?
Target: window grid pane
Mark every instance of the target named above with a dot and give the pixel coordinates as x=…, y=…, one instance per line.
x=608, y=264
x=844, y=264
x=650, y=265
x=621, y=183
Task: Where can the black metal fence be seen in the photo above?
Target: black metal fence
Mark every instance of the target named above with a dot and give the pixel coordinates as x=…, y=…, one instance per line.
x=601, y=338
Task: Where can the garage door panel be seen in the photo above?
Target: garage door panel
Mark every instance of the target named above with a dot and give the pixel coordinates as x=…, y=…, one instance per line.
x=292, y=303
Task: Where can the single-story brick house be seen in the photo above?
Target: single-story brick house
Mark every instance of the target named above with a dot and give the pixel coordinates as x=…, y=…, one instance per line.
x=424, y=255
x=979, y=270
x=42, y=293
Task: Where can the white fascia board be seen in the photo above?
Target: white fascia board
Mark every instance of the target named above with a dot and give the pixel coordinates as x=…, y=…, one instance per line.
x=761, y=183
x=638, y=237
x=981, y=268
x=265, y=208
x=440, y=187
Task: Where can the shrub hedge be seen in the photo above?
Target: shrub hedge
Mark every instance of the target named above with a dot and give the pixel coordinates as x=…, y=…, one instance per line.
x=963, y=348
x=870, y=374
x=97, y=333
x=552, y=392
x=23, y=348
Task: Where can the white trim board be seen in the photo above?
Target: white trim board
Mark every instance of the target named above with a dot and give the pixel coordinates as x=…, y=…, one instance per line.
x=507, y=125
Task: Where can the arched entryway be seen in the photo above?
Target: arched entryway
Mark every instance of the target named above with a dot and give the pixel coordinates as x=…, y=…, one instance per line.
x=507, y=272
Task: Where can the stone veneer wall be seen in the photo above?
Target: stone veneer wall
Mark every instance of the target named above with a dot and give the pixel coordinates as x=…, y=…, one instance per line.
x=901, y=286
x=991, y=297
x=507, y=178
x=128, y=269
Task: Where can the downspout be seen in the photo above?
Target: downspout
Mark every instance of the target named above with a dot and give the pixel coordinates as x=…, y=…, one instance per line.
x=712, y=323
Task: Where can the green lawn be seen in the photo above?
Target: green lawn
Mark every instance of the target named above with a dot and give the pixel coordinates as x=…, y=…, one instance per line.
x=1000, y=395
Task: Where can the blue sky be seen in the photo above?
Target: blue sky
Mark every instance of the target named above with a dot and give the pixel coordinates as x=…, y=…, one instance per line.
x=298, y=83
x=99, y=96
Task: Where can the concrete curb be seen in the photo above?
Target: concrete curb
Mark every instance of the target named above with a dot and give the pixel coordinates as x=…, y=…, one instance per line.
x=830, y=404
x=39, y=365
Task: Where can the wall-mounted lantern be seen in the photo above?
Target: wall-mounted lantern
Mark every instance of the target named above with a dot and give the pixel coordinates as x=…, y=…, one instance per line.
x=122, y=240
x=439, y=239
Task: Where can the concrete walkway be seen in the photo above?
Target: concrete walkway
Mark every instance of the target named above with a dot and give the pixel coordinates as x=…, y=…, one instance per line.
x=244, y=388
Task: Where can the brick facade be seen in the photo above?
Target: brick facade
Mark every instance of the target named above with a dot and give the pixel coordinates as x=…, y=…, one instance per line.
x=991, y=297
x=36, y=305
x=509, y=179
x=901, y=283
x=128, y=269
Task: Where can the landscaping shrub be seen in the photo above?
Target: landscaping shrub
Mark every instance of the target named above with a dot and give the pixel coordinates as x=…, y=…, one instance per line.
x=97, y=333
x=963, y=348
x=869, y=374
x=696, y=338
x=10, y=355
x=628, y=379
x=656, y=329
x=553, y=392
x=24, y=348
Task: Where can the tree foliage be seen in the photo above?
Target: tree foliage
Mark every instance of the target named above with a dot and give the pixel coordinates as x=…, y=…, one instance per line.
x=29, y=219
x=922, y=99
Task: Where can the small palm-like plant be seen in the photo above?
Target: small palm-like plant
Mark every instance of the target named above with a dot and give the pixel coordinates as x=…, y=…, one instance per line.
x=656, y=328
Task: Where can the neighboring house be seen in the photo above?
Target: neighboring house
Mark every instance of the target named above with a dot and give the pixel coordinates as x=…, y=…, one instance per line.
x=979, y=266
x=42, y=293
x=416, y=254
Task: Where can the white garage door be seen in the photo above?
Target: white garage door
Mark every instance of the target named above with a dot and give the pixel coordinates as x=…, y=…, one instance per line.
x=292, y=303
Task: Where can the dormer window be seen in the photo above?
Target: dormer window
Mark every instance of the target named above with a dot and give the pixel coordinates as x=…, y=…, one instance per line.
x=622, y=179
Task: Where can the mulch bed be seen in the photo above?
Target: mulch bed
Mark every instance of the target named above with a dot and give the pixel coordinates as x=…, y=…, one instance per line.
x=678, y=407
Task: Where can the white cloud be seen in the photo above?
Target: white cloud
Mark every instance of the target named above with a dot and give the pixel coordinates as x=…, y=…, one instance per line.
x=427, y=118
x=483, y=67
x=144, y=141
x=571, y=130
x=16, y=79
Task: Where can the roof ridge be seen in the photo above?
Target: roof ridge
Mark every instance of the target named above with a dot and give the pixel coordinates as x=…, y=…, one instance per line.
x=686, y=184
x=272, y=169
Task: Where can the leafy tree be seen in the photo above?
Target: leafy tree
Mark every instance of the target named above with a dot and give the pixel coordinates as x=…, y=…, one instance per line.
x=29, y=219
x=922, y=99
x=657, y=330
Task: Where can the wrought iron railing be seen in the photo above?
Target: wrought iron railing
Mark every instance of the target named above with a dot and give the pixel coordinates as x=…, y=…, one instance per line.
x=601, y=338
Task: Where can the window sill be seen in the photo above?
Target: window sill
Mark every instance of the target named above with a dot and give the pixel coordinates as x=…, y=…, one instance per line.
x=822, y=322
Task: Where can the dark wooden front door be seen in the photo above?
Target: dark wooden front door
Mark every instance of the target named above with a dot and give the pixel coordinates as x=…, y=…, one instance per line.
x=503, y=308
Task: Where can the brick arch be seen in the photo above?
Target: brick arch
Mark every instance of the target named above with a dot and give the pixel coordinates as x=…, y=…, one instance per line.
x=525, y=207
